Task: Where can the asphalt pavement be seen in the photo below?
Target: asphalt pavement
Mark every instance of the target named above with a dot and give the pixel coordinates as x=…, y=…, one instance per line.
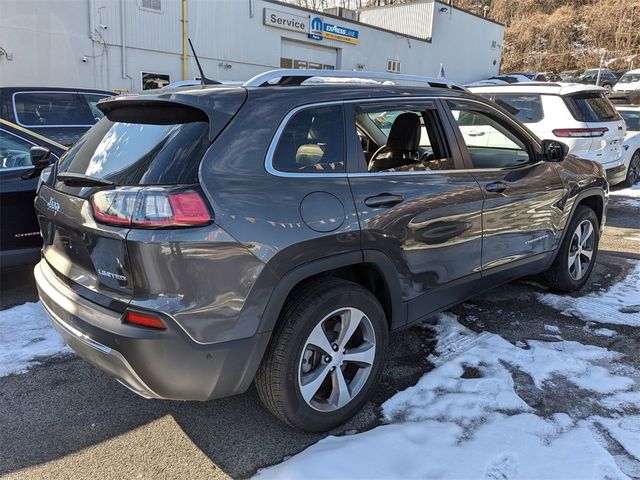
x=66, y=419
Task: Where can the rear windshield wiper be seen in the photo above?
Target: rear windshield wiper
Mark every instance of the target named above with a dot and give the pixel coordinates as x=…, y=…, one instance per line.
x=81, y=180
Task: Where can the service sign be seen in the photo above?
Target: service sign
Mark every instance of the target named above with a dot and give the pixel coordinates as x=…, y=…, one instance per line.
x=287, y=21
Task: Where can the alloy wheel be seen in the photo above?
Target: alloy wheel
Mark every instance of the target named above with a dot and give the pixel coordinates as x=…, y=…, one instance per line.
x=581, y=250
x=336, y=359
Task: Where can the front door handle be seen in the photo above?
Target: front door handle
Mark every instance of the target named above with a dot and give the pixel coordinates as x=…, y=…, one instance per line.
x=383, y=200
x=496, y=187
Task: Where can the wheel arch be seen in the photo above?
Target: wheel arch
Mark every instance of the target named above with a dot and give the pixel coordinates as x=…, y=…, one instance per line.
x=373, y=270
x=593, y=198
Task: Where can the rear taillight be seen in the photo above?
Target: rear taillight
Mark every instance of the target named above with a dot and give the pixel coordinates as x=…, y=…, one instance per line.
x=149, y=208
x=144, y=320
x=580, y=132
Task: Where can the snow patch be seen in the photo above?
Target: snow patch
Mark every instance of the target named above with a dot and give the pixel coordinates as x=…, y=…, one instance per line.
x=620, y=304
x=26, y=336
x=452, y=425
x=633, y=192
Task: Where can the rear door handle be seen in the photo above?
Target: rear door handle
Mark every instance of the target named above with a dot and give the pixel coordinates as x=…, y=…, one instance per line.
x=383, y=200
x=495, y=187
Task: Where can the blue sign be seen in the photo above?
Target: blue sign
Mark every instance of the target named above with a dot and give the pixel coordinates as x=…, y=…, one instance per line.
x=319, y=30
x=315, y=29
x=337, y=32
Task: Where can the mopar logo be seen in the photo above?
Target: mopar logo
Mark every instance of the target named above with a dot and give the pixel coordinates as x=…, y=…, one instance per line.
x=316, y=25
x=315, y=28
x=115, y=276
x=53, y=205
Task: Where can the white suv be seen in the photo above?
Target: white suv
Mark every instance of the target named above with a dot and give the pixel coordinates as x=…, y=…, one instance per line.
x=629, y=82
x=579, y=115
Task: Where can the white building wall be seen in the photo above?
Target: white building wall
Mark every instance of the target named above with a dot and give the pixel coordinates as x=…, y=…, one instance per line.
x=48, y=39
x=413, y=19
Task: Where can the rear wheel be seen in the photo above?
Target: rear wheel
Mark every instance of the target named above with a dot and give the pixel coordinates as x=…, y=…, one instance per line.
x=326, y=355
x=577, y=254
x=633, y=172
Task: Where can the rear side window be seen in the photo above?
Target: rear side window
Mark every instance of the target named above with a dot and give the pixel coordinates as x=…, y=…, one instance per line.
x=139, y=153
x=525, y=107
x=591, y=107
x=312, y=142
x=92, y=99
x=48, y=109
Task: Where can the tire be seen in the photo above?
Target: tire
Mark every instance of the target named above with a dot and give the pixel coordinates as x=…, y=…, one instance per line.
x=318, y=310
x=563, y=275
x=608, y=86
x=633, y=172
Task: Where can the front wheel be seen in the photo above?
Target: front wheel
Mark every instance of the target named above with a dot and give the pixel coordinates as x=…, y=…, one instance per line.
x=577, y=254
x=326, y=355
x=633, y=172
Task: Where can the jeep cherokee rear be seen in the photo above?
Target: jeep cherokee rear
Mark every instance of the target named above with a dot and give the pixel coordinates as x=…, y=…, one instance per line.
x=197, y=239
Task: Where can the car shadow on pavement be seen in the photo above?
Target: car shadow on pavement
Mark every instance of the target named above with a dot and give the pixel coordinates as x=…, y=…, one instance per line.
x=65, y=406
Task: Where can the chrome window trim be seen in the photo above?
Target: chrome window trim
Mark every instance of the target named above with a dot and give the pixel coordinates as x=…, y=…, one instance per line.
x=268, y=162
x=18, y=122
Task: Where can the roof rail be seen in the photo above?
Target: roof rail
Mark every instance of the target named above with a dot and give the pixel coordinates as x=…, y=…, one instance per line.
x=285, y=77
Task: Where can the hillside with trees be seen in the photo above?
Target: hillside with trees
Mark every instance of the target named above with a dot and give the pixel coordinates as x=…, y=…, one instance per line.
x=568, y=34
x=549, y=34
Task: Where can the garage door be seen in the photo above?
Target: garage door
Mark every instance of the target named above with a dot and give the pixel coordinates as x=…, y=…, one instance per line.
x=304, y=55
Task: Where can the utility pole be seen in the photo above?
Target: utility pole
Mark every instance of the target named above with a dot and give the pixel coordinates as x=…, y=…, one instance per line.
x=600, y=67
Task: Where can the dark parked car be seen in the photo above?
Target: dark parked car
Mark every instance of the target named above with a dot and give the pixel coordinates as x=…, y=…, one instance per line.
x=20, y=240
x=196, y=241
x=61, y=114
x=607, y=78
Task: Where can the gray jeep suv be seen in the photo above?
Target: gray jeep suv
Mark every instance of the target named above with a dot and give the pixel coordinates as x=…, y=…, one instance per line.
x=199, y=239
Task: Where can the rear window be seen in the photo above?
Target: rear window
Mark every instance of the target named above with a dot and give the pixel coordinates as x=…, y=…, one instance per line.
x=525, y=107
x=591, y=107
x=139, y=153
x=49, y=109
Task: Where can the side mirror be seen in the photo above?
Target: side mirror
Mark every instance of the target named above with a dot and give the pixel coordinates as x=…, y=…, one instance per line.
x=554, y=151
x=40, y=156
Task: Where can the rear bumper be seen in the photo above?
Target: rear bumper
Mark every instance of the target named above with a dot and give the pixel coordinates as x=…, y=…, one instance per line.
x=165, y=364
x=617, y=174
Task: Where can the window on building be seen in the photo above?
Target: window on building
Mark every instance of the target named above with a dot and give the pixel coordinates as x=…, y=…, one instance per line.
x=312, y=142
x=154, y=5
x=151, y=81
x=393, y=66
x=286, y=63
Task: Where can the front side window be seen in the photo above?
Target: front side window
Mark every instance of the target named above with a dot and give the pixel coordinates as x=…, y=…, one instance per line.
x=47, y=109
x=490, y=140
x=14, y=151
x=312, y=142
x=407, y=140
